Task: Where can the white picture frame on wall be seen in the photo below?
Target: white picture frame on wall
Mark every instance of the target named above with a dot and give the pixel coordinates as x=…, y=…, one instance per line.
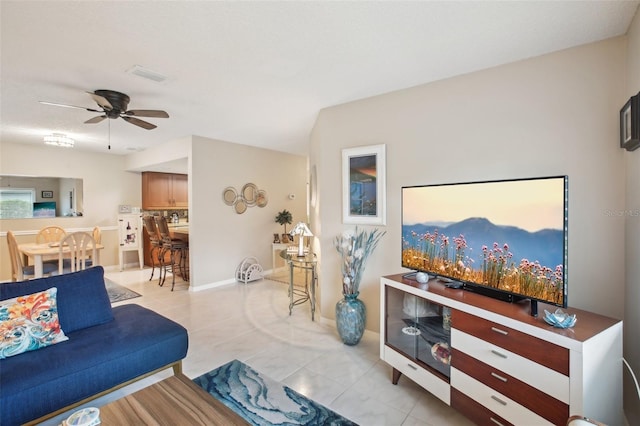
x=364, y=185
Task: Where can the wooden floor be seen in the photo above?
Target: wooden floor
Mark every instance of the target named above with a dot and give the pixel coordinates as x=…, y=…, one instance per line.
x=173, y=401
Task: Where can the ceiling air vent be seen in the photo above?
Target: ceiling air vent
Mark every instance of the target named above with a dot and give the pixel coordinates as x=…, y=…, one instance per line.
x=147, y=73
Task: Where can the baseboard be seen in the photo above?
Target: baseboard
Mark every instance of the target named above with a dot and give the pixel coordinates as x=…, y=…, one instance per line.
x=213, y=285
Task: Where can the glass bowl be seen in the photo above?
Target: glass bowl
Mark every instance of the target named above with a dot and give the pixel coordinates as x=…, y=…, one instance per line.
x=560, y=319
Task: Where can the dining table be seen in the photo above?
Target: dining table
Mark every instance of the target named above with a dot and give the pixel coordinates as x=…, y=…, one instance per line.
x=38, y=253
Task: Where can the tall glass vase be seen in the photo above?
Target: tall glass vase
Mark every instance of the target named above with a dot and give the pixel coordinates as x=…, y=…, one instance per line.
x=351, y=316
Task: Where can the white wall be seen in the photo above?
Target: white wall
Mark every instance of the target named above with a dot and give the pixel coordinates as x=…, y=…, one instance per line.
x=106, y=184
x=632, y=232
x=220, y=238
x=169, y=152
x=550, y=115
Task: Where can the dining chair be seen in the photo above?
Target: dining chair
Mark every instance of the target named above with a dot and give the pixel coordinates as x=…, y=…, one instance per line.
x=154, y=242
x=175, y=247
x=97, y=235
x=50, y=234
x=82, y=251
x=19, y=271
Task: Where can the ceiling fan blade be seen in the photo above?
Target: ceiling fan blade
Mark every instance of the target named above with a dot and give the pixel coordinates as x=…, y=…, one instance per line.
x=102, y=101
x=69, y=106
x=139, y=123
x=147, y=113
x=95, y=120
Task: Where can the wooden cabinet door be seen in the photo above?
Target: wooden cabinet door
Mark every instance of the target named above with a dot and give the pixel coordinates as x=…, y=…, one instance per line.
x=180, y=190
x=156, y=190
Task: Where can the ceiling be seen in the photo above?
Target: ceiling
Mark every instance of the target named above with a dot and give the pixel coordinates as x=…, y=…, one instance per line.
x=257, y=73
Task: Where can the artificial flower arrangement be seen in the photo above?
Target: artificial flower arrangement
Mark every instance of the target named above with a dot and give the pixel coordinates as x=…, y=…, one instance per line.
x=354, y=247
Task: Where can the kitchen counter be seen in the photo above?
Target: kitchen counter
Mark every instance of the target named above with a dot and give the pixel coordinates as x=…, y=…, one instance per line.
x=178, y=225
x=180, y=232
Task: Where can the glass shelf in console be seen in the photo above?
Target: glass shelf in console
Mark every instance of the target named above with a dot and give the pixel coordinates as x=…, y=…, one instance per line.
x=419, y=329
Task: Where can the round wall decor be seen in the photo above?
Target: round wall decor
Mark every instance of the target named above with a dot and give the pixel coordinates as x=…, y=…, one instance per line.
x=249, y=193
x=229, y=195
x=240, y=206
x=249, y=196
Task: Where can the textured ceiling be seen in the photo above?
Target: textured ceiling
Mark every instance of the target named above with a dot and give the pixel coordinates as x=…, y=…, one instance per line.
x=257, y=73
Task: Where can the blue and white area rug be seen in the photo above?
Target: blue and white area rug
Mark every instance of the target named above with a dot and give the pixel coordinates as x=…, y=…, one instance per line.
x=263, y=401
x=118, y=293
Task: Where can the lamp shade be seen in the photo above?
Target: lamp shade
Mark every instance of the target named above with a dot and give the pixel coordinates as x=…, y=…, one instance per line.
x=302, y=229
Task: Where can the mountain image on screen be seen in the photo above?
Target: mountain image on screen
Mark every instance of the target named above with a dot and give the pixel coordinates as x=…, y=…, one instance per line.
x=542, y=246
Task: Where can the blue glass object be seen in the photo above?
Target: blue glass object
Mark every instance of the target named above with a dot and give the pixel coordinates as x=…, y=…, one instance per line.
x=351, y=315
x=559, y=319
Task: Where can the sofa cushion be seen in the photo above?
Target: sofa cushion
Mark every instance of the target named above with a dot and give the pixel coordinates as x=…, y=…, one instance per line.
x=93, y=360
x=82, y=297
x=29, y=322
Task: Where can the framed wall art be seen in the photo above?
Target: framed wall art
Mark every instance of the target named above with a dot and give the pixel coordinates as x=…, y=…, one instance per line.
x=47, y=194
x=364, y=185
x=630, y=124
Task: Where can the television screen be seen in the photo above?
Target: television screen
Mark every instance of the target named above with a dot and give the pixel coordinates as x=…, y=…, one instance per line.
x=507, y=237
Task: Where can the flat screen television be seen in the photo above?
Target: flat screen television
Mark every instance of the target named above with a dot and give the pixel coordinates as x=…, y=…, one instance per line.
x=506, y=239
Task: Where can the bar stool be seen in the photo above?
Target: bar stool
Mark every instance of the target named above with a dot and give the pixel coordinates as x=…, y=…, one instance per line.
x=175, y=247
x=155, y=243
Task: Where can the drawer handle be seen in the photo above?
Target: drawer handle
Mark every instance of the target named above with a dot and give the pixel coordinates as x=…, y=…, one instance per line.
x=498, y=400
x=496, y=421
x=412, y=367
x=499, y=377
x=497, y=330
x=501, y=355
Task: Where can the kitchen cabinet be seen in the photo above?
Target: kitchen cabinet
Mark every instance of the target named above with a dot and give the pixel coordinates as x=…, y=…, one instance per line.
x=495, y=363
x=164, y=191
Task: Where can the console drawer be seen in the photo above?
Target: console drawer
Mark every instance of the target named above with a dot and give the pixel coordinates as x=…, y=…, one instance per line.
x=538, y=350
x=495, y=402
x=418, y=374
x=535, y=400
x=474, y=411
x=540, y=377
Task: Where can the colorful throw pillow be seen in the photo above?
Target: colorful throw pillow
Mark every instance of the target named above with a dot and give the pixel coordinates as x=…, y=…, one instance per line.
x=29, y=322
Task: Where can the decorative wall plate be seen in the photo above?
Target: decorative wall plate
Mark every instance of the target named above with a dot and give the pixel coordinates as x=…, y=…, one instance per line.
x=261, y=199
x=229, y=195
x=240, y=206
x=249, y=193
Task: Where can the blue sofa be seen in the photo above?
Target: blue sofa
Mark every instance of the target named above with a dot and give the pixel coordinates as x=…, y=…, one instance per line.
x=107, y=348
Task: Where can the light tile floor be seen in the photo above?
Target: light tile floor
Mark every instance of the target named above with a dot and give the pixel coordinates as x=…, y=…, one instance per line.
x=250, y=322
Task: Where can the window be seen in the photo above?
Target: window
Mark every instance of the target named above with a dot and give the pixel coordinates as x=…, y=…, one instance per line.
x=16, y=203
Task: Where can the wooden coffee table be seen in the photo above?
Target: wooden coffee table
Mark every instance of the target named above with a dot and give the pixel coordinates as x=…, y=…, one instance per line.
x=173, y=401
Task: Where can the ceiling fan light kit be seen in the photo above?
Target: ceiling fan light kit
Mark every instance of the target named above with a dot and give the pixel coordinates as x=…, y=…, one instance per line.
x=59, y=139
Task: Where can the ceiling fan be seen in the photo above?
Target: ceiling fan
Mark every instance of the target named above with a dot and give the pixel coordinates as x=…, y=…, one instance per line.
x=113, y=105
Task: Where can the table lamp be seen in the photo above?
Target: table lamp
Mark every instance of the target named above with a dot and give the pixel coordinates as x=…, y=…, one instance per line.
x=302, y=230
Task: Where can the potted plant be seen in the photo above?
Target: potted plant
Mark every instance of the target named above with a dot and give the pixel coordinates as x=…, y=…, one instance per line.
x=284, y=218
